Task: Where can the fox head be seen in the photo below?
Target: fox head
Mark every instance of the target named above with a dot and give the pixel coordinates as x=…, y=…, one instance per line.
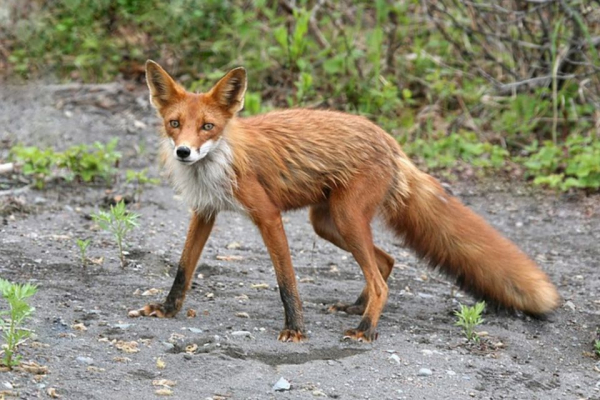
x=194, y=122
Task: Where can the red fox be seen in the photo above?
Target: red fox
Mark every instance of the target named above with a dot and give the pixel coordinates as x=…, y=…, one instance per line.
x=347, y=170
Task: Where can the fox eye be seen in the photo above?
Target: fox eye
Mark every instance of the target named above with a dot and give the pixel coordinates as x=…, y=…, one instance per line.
x=208, y=126
x=174, y=123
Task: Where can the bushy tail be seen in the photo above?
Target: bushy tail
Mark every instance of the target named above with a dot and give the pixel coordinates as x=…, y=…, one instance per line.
x=460, y=243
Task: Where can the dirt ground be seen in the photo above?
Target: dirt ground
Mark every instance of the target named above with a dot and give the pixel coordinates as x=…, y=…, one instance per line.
x=232, y=351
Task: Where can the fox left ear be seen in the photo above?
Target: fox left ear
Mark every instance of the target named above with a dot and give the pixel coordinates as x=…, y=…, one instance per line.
x=230, y=90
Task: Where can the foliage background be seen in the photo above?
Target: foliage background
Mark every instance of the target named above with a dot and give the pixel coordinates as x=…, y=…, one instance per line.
x=465, y=86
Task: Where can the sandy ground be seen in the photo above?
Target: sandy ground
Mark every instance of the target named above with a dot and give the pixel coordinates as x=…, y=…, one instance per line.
x=229, y=350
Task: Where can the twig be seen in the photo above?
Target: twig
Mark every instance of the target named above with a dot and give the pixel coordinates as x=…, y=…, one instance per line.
x=14, y=192
x=6, y=168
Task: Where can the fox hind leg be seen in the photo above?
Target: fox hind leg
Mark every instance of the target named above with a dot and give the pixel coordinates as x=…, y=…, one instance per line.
x=320, y=217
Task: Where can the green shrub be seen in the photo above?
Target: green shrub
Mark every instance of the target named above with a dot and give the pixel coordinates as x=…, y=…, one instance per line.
x=18, y=311
x=469, y=318
x=119, y=222
x=88, y=163
x=35, y=162
x=77, y=162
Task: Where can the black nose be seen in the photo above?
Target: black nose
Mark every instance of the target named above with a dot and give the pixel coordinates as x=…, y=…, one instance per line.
x=183, y=152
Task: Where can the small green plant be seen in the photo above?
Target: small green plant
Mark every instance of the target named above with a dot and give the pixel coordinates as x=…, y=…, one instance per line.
x=77, y=162
x=140, y=179
x=469, y=318
x=119, y=222
x=35, y=162
x=18, y=310
x=83, y=246
x=88, y=163
x=597, y=347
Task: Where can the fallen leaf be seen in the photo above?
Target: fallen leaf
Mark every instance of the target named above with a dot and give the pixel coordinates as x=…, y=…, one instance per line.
x=151, y=292
x=164, y=392
x=97, y=260
x=191, y=313
x=259, y=286
x=127, y=347
x=164, y=382
x=230, y=258
x=61, y=237
x=52, y=393
x=121, y=359
x=191, y=348
x=137, y=292
x=34, y=368
x=79, y=327
x=95, y=369
x=176, y=337
x=160, y=364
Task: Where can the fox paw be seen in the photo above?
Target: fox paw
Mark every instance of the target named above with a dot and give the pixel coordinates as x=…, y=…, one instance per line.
x=352, y=309
x=291, y=335
x=360, y=336
x=154, y=310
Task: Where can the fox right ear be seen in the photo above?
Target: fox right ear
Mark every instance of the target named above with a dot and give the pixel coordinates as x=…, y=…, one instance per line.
x=163, y=89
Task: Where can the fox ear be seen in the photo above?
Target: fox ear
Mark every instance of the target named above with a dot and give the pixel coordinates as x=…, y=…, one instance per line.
x=163, y=89
x=230, y=90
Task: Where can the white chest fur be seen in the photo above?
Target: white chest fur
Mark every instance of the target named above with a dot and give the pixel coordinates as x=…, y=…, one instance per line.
x=207, y=185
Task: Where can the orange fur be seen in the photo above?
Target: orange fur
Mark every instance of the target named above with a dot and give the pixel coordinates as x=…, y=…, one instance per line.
x=347, y=170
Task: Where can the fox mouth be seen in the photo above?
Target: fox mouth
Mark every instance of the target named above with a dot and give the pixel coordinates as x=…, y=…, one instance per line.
x=183, y=161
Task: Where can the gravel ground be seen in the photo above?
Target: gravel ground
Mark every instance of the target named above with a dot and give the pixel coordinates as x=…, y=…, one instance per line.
x=229, y=350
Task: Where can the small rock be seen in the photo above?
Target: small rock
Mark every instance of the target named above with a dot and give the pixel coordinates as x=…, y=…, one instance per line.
x=569, y=304
x=242, y=315
x=187, y=356
x=195, y=330
x=79, y=327
x=319, y=393
x=123, y=327
x=85, y=360
x=451, y=373
x=233, y=246
x=139, y=124
x=424, y=372
x=395, y=358
x=427, y=352
x=425, y=295
x=168, y=346
x=8, y=385
x=241, y=333
x=282, y=385
x=39, y=200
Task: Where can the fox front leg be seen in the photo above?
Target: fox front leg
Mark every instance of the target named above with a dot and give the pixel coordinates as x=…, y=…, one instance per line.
x=198, y=233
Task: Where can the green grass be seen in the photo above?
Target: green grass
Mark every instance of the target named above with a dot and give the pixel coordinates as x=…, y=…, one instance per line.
x=424, y=92
x=81, y=162
x=83, y=246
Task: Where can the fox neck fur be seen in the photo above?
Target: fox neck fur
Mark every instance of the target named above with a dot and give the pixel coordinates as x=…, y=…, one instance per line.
x=206, y=186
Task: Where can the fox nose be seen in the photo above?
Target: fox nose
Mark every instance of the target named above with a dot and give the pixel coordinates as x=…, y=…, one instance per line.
x=183, y=152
